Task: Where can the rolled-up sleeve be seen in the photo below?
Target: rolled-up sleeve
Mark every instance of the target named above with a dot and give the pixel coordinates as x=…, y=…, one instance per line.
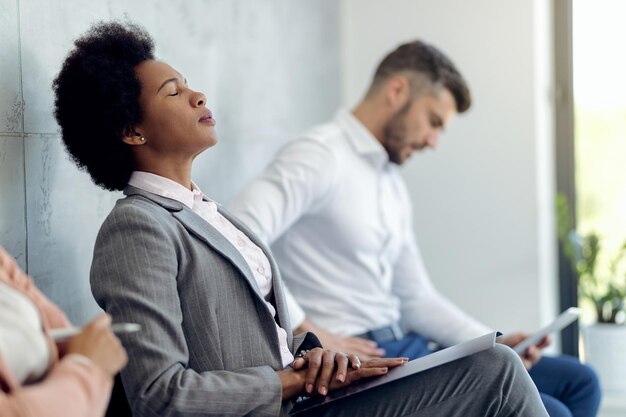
x=423, y=309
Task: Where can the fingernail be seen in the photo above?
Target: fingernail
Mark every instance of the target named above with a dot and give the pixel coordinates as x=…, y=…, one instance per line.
x=309, y=388
x=341, y=377
x=385, y=370
x=323, y=390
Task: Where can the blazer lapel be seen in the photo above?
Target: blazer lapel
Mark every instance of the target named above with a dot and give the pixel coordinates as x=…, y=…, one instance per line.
x=277, y=284
x=204, y=231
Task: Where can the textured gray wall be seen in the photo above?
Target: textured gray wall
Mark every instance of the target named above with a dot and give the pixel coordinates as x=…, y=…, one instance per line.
x=269, y=68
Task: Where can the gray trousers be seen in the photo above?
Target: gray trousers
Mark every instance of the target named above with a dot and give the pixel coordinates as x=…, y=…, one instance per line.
x=489, y=383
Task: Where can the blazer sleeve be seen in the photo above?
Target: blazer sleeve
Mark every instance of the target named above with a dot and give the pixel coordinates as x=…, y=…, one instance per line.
x=134, y=278
x=75, y=387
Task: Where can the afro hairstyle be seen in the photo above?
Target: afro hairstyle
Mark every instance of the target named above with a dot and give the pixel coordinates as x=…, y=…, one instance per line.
x=97, y=99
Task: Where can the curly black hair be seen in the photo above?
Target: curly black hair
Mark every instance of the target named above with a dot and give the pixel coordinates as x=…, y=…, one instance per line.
x=422, y=58
x=97, y=99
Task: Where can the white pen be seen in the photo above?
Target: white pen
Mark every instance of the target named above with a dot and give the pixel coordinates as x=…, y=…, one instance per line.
x=65, y=333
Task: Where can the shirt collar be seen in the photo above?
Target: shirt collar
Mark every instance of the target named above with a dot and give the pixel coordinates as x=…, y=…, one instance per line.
x=165, y=187
x=362, y=140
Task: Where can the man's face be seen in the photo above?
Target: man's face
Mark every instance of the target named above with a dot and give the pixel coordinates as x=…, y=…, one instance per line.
x=418, y=125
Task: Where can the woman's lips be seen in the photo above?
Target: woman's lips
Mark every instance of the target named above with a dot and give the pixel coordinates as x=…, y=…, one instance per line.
x=208, y=119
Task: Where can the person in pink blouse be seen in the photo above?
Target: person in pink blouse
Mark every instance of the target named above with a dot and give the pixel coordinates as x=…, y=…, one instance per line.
x=38, y=377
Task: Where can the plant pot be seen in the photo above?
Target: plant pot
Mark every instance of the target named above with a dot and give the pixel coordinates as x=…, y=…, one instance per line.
x=605, y=351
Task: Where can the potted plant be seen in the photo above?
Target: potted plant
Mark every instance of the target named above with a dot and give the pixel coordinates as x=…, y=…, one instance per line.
x=604, y=286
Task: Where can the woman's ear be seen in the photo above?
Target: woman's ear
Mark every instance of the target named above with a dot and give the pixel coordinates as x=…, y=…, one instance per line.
x=132, y=137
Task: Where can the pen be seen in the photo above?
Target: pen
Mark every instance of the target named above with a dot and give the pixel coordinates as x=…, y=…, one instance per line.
x=65, y=333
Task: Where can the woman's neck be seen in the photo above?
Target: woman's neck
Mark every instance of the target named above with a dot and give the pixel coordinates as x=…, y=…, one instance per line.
x=179, y=172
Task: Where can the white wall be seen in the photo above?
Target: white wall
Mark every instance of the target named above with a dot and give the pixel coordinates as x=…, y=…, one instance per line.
x=483, y=200
x=254, y=60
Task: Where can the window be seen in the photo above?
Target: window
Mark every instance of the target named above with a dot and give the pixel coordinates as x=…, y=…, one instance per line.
x=591, y=130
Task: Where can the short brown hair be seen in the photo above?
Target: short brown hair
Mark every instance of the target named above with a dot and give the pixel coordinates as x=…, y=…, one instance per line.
x=424, y=60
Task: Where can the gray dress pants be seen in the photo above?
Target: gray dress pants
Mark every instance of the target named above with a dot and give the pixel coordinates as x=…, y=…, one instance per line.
x=489, y=383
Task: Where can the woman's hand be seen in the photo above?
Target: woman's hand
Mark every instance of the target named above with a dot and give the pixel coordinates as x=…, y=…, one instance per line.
x=327, y=370
x=370, y=368
x=322, y=366
x=97, y=342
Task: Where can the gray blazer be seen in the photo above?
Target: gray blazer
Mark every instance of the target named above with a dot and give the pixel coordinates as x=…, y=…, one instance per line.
x=208, y=344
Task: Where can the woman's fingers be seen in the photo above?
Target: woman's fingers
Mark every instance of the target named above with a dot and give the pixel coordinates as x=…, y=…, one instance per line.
x=342, y=361
x=384, y=362
x=326, y=372
x=314, y=358
x=299, y=363
x=357, y=374
x=355, y=362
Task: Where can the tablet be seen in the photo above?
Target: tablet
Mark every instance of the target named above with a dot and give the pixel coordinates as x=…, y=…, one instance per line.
x=562, y=321
x=412, y=367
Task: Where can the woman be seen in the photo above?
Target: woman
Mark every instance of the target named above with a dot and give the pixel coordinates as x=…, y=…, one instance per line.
x=205, y=290
x=35, y=380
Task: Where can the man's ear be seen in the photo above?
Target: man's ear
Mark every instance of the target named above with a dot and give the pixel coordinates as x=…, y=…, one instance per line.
x=397, y=91
x=132, y=137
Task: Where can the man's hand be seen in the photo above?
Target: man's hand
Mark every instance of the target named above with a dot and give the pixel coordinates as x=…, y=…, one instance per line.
x=532, y=354
x=363, y=348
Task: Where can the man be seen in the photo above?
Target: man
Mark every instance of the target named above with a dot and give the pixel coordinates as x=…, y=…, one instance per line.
x=339, y=218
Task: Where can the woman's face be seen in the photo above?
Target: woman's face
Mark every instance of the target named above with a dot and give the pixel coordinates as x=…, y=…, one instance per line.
x=175, y=120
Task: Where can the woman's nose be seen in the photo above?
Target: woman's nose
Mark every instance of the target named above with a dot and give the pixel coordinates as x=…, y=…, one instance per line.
x=198, y=99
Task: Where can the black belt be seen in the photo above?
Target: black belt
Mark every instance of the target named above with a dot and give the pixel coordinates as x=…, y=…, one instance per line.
x=390, y=333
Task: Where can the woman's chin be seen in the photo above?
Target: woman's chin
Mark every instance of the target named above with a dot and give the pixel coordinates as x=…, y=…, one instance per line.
x=212, y=142
x=208, y=143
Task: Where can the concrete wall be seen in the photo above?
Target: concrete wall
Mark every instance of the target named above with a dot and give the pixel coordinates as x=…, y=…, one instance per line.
x=483, y=200
x=269, y=68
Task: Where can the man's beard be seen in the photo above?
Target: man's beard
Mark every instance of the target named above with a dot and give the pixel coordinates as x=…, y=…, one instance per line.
x=394, y=140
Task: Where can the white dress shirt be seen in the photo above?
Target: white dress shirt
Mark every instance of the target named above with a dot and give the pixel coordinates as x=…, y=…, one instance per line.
x=339, y=218
x=23, y=344
x=207, y=210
